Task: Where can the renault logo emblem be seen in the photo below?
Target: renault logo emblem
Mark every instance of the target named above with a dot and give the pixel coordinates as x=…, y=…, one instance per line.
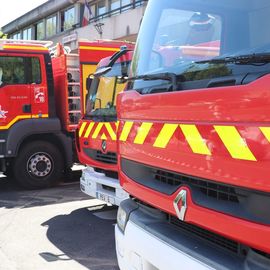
x=104, y=146
x=180, y=204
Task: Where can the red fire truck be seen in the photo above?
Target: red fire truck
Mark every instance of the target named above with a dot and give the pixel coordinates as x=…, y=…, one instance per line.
x=194, y=139
x=97, y=130
x=41, y=101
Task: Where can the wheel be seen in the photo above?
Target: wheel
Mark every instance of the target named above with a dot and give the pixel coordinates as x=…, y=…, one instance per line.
x=38, y=165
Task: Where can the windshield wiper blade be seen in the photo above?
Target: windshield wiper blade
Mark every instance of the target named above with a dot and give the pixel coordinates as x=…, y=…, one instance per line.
x=167, y=76
x=255, y=58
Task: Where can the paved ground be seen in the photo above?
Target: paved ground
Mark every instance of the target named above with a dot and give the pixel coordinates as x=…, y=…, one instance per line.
x=53, y=229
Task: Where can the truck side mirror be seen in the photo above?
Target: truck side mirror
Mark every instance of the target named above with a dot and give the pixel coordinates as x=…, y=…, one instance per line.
x=102, y=71
x=89, y=81
x=92, y=83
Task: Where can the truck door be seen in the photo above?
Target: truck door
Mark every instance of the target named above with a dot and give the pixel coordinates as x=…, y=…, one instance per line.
x=38, y=84
x=14, y=90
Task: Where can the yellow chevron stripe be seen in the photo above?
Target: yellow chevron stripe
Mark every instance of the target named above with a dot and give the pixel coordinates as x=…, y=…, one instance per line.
x=111, y=131
x=97, y=130
x=195, y=140
x=90, y=127
x=82, y=129
x=126, y=130
x=142, y=133
x=165, y=135
x=266, y=132
x=103, y=137
x=22, y=117
x=234, y=143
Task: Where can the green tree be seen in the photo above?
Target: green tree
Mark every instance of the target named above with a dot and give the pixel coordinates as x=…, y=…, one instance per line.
x=3, y=35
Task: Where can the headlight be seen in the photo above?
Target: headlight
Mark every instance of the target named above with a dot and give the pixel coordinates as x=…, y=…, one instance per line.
x=122, y=217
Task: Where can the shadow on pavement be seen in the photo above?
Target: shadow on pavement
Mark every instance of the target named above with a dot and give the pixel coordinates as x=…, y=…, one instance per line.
x=7, y=183
x=84, y=237
x=11, y=196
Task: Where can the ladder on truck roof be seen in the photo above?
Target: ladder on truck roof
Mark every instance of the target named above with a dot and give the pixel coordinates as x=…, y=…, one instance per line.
x=59, y=49
x=45, y=43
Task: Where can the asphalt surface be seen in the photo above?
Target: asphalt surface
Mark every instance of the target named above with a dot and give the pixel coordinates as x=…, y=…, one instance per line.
x=57, y=228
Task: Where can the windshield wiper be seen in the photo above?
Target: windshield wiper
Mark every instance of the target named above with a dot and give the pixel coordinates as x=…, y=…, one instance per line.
x=246, y=59
x=167, y=76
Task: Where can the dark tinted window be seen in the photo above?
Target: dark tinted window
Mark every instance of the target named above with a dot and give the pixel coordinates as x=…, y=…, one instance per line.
x=19, y=70
x=36, y=73
x=13, y=69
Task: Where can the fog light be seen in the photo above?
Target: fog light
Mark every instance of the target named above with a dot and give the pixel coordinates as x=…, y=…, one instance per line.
x=121, y=218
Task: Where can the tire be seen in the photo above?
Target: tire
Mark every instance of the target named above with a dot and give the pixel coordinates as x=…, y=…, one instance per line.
x=9, y=173
x=38, y=165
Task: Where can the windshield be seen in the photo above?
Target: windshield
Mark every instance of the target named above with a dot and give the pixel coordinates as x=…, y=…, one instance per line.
x=106, y=87
x=182, y=37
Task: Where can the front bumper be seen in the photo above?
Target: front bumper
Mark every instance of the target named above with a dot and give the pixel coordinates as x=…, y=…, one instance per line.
x=102, y=187
x=150, y=242
x=137, y=249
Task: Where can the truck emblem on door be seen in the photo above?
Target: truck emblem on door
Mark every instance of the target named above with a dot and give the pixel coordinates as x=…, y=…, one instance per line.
x=180, y=204
x=2, y=113
x=39, y=95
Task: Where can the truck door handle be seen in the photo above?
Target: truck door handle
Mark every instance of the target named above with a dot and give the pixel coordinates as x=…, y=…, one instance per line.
x=27, y=108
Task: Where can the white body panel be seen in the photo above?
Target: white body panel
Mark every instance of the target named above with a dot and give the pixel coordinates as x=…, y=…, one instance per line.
x=94, y=184
x=140, y=250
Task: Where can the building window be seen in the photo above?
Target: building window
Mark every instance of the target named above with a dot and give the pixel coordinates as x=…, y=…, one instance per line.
x=125, y=3
x=16, y=36
x=93, y=10
x=51, y=26
x=27, y=33
x=40, y=30
x=115, y=4
x=101, y=8
x=67, y=19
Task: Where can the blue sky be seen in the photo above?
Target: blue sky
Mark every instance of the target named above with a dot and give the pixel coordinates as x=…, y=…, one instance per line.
x=10, y=10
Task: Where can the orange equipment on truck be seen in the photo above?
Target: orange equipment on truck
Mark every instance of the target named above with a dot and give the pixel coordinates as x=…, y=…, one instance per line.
x=42, y=97
x=98, y=128
x=194, y=139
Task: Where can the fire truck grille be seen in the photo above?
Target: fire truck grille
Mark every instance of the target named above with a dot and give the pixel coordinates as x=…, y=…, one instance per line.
x=109, y=157
x=210, y=189
x=228, y=199
x=209, y=236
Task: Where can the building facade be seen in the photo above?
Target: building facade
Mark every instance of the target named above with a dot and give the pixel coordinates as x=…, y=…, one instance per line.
x=63, y=21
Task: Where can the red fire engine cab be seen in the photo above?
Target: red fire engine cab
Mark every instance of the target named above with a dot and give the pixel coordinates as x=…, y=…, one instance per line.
x=194, y=139
x=98, y=128
x=42, y=97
